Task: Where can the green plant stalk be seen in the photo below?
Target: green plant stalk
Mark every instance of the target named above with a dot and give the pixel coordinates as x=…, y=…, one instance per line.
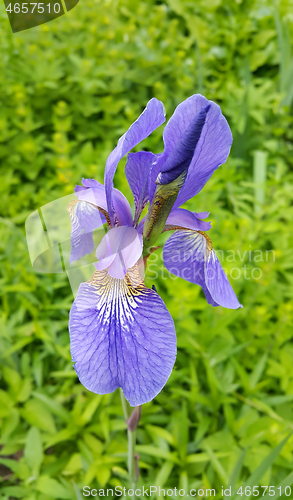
x=161, y=206
x=131, y=442
x=64, y=6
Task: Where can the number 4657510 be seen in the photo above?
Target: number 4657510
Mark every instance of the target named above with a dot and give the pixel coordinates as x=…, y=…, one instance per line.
x=261, y=490
x=29, y=8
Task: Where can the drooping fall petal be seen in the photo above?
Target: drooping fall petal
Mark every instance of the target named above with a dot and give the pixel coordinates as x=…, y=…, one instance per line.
x=121, y=335
x=191, y=220
x=189, y=255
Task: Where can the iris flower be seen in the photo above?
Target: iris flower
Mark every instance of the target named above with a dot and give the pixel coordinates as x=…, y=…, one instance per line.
x=121, y=333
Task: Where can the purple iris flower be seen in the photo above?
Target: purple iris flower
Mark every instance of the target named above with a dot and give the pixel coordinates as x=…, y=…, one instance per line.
x=121, y=333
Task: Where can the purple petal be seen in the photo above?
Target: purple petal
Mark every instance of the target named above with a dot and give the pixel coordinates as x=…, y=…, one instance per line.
x=153, y=175
x=212, y=149
x=152, y=117
x=178, y=160
x=218, y=283
x=105, y=262
x=91, y=183
x=121, y=335
x=94, y=192
x=84, y=219
x=201, y=215
x=189, y=255
x=137, y=171
x=119, y=250
x=184, y=255
x=122, y=208
x=185, y=218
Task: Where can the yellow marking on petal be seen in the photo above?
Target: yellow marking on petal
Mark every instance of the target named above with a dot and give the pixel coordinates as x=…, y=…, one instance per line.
x=121, y=295
x=169, y=227
x=209, y=242
x=71, y=207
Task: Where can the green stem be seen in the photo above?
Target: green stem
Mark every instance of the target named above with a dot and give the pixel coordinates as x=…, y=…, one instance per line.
x=64, y=6
x=131, y=442
x=131, y=457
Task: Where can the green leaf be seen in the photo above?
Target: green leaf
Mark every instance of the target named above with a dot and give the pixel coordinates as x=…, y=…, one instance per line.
x=55, y=407
x=205, y=457
x=164, y=474
x=259, y=472
x=157, y=452
x=74, y=465
x=36, y=414
x=280, y=489
x=77, y=492
x=9, y=425
x=161, y=432
x=233, y=481
x=103, y=475
x=91, y=408
x=259, y=176
x=33, y=451
x=52, y=488
x=216, y=464
x=14, y=491
x=258, y=371
x=63, y=435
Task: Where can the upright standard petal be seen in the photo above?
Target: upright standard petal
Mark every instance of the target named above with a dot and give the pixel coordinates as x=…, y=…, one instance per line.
x=121, y=335
x=137, y=171
x=212, y=148
x=190, y=255
x=119, y=250
x=181, y=155
x=152, y=117
x=180, y=217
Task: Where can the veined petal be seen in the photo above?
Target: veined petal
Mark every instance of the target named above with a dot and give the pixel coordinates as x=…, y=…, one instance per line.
x=189, y=255
x=137, y=171
x=84, y=219
x=184, y=255
x=122, y=208
x=212, y=148
x=119, y=250
x=121, y=335
x=93, y=192
x=218, y=283
x=152, y=117
x=201, y=215
x=189, y=220
x=178, y=160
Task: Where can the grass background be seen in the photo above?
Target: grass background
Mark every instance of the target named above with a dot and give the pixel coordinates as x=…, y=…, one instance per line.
x=68, y=90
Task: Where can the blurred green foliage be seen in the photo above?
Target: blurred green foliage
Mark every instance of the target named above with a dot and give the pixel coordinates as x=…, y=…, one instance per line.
x=68, y=90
